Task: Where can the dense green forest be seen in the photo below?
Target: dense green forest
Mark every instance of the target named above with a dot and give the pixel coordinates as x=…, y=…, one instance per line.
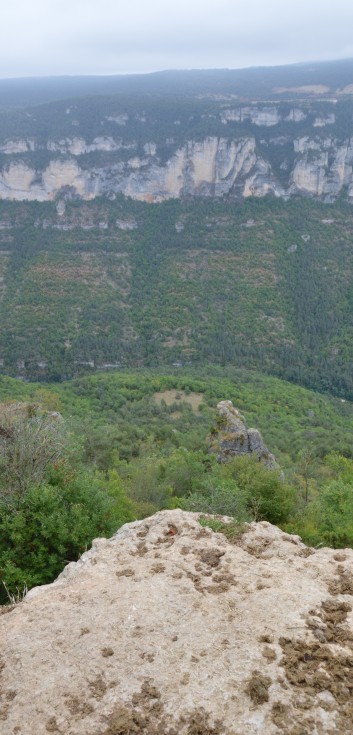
x=266, y=285
x=79, y=458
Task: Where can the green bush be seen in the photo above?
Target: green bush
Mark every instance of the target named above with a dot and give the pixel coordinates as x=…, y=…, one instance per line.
x=218, y=496
x=327, y=520
x=267, y=495
x=54, y=523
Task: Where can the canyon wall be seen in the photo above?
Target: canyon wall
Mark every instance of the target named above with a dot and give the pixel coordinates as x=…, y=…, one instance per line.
x=257, y=151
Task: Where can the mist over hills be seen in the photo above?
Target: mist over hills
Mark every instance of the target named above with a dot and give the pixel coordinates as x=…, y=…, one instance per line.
x=250, y=83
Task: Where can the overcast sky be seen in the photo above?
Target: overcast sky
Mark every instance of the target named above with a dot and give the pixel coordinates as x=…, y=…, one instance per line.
x=52, y=37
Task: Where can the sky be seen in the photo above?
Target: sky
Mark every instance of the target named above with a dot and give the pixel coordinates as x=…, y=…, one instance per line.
x=55, y=37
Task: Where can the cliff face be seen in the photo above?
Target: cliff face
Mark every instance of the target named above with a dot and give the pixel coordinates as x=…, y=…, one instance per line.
x=170, y=628
x=252, y=151
x=212, y=167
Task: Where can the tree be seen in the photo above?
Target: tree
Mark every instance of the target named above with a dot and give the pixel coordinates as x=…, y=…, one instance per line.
x=30, y=441
x=306, y=470
x=51, y=507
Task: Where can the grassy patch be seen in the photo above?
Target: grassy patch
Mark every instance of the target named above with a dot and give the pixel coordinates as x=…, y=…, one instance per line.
x=232, y=530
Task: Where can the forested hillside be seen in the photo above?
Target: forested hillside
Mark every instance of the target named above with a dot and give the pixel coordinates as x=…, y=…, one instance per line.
x=78, y=459
x=263, y=284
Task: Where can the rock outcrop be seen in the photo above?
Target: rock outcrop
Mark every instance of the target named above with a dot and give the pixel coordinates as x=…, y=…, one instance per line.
x=230, y=147
x=231, y=437
x=211, y=167
x=239, y=165
x=170, y=628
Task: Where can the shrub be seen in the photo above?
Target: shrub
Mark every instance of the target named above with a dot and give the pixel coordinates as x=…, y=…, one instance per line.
x=53, y=523
x=267, y=495
x=220, y=497
x=30, y=441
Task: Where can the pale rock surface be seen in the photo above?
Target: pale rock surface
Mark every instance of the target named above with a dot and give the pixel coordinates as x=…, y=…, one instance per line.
x=263, y=116
x=214, y=166
x=296, y=115
x=22, y=183
x=324, y=173
x=310, y=177
x=267, y=116
x=17, y=146
x=150, y=149
x=60, y=174
x=231, y=115
x=118, y=119
x=231, y=437
x=170, y=629
x=78, y=146
x=17, y=178
x=305, y=144
x=321, y=122
x=348, y=89
x=262, y=182
x=209, y=167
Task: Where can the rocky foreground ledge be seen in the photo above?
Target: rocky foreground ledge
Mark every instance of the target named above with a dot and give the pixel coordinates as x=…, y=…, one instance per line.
x=168, y=628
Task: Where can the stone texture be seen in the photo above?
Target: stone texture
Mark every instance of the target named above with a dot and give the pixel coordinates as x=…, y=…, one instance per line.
x=231, y=438
x=322, y=165
x=170, y=629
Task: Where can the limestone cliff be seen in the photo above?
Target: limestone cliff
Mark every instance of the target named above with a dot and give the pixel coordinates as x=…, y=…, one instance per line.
x=210, y=167
x=168, y=628
x=253, y=150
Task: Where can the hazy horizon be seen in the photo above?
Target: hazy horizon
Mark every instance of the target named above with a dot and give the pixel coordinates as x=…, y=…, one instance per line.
x=86, y=38
x=175, y=69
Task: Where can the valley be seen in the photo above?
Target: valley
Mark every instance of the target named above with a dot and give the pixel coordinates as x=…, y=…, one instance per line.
x=159, y=254
x=176, y=368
